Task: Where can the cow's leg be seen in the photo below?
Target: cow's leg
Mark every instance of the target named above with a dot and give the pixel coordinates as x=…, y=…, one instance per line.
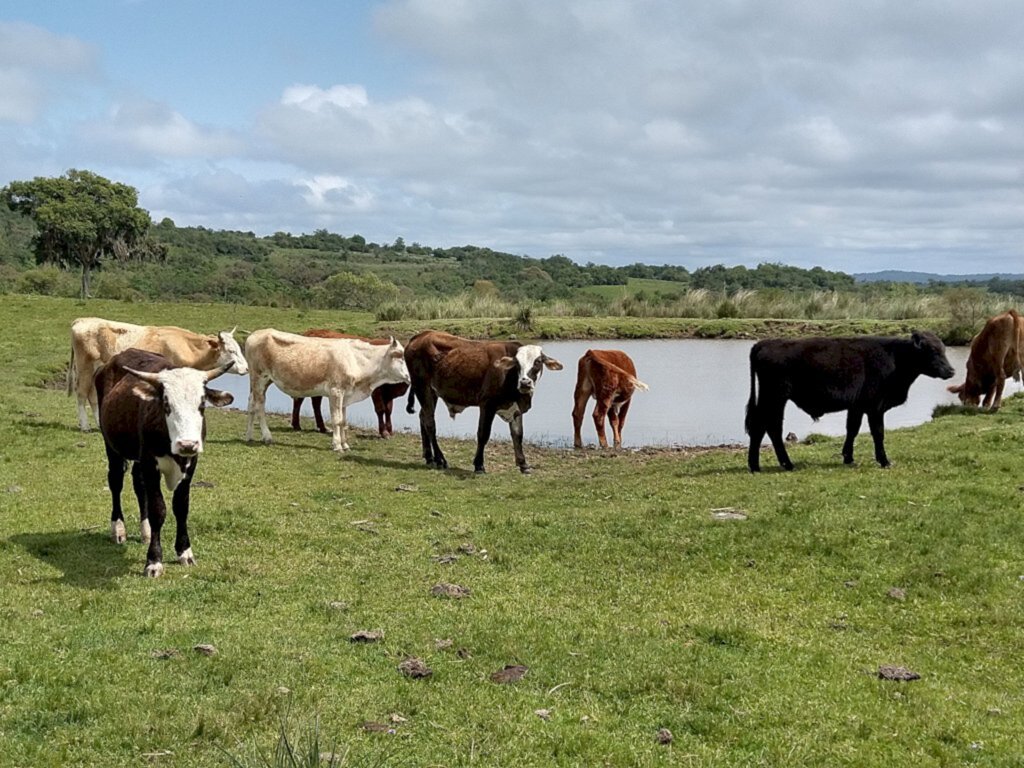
x=998, y=400
x=428, y=430
x=85, y=394
x=145, y=532
x=854, y=418
x=755, y=429
x=618, y=421
x=378, y=408
x=318, y=415
x=876, y=422
x=384, y=420
x=179, y=505
x=257, y=408
x=296, y=408
x=772, y=414
x=483, y=434
x=116, y=467
x=515, y=428
x=339, y=425
x=157, y=513
x=600, y=411
x=580, y=398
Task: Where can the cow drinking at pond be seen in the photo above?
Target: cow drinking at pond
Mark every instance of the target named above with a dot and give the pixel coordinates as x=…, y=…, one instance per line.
x=95, y=340
x=345, y=370
x=609, y=376
x=860, y=375
x=997, y=353
x=498, y=377
x=383, y=397
x=151, y=414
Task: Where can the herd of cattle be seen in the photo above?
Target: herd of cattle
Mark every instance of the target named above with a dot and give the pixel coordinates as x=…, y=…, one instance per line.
x=147, y=387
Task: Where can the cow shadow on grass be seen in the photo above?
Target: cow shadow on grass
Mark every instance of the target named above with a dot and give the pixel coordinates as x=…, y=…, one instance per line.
x=418, y=464
x=87, y=559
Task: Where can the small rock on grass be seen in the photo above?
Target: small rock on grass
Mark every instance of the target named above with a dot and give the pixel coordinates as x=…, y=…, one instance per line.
x=455, y=591
x=664, y=736
x=415, y=668
x=543, y=714
x=892, y=672
x=897, y=594
x=205, y=648
x=728, y=513
x=366, y=636
x=509, y=674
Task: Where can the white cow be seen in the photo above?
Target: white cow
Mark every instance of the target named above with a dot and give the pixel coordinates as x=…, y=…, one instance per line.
x=344, y=370
x=94, y=341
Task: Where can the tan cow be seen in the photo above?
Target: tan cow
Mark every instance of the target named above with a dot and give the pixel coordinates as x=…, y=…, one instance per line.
x=609, y=376
x=997, y=353
x=94, y=341
x=345, y=370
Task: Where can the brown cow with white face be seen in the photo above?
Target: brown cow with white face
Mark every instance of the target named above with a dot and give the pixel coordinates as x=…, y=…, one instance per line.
x=344, y=370
x=94, y=341
x=609, y=376
x=152, y=414
x=997, y=353
x=499, y=377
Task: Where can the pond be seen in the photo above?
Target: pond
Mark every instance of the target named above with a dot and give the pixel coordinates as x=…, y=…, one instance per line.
x=698, y=395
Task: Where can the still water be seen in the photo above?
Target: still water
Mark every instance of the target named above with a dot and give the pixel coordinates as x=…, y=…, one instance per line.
x=699, y=391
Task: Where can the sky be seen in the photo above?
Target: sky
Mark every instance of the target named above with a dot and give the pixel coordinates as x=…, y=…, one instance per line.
x=852, y=136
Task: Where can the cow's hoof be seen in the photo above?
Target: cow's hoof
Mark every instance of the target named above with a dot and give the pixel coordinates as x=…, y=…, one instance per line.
x=117, y=532
x=480, y=470
x=145, y=531
x=322, y=430
x=847, y=460
x=526, y=470
x=268, y=440
x=187, y=558
x=788, y=466
x=154, y=570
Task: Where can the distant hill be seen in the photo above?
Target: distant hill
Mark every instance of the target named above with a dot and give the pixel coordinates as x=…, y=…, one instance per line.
x=899, y=276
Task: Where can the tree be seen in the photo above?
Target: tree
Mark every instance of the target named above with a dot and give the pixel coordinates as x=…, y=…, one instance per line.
x=81, y=217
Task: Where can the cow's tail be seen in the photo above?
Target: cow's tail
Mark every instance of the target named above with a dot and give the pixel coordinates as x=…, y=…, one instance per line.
x=748, y=422
x=1018, y=335
x=70, y=381
x=623, y=372
x=410, y=406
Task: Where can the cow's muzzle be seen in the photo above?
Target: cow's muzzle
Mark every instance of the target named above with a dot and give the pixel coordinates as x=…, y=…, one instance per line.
x=188, y=447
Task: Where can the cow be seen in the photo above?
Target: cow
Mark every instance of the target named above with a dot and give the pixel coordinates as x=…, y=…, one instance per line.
x=860, y=375
x=997, y=353
x=609, y=376
x=383, y=397
x=94, y=341
x=151, y=413
x=345, y=370
x=499, y=377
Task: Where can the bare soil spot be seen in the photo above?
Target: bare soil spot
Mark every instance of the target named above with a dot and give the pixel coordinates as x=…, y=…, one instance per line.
x=511, y=673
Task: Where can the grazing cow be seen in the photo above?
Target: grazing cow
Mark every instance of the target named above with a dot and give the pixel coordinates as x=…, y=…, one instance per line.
x=997, y=353
x=94, y=341
x=345, y=370
x=609, y=376
x=151, y=414
x=861, y=375
x=383, y=397
x=497, y=376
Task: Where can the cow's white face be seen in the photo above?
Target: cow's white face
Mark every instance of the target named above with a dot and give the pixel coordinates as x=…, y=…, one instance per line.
x=184, y=395
x=394, y=369
x=231, y=353
x=530, y=362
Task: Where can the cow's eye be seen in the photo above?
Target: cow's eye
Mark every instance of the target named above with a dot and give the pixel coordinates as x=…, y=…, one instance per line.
x=167, y=408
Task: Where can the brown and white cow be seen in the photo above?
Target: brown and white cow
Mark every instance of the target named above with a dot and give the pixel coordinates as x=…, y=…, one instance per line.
x=997, y=353
x=344, y=370
x=499, y=377
x=94, y=341
x=151, y=414
x=383, y=397
x=609, y=376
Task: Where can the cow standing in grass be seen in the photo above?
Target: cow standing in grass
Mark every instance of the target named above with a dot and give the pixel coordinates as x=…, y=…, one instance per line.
x=383, y=397
x=499, y=377
x=997, y=354
x=151, y=414
x=860, y=375
x=94, y=341
x=344, y=370
x=609, y=376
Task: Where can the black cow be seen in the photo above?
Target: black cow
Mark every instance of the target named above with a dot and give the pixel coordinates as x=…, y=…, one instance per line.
x=151, y=413
x=860, y=375
x=497, y=376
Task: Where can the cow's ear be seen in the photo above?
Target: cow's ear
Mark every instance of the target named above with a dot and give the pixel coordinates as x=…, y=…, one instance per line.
x=218, y=397
x=505, y=363
x=551, y=363
x=918, y=339
x=214, y=343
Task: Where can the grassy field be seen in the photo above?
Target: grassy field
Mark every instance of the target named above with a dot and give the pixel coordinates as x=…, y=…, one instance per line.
x=607, y=575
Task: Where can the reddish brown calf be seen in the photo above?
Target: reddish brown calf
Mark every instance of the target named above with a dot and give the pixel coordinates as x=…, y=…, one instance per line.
x=997, y=353
x=609, y=376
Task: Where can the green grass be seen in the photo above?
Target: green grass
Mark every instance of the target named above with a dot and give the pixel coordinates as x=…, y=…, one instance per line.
x=754, y=642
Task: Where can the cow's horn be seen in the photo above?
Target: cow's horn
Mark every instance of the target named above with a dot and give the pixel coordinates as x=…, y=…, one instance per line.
x=211, y=375
x=147, y=376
